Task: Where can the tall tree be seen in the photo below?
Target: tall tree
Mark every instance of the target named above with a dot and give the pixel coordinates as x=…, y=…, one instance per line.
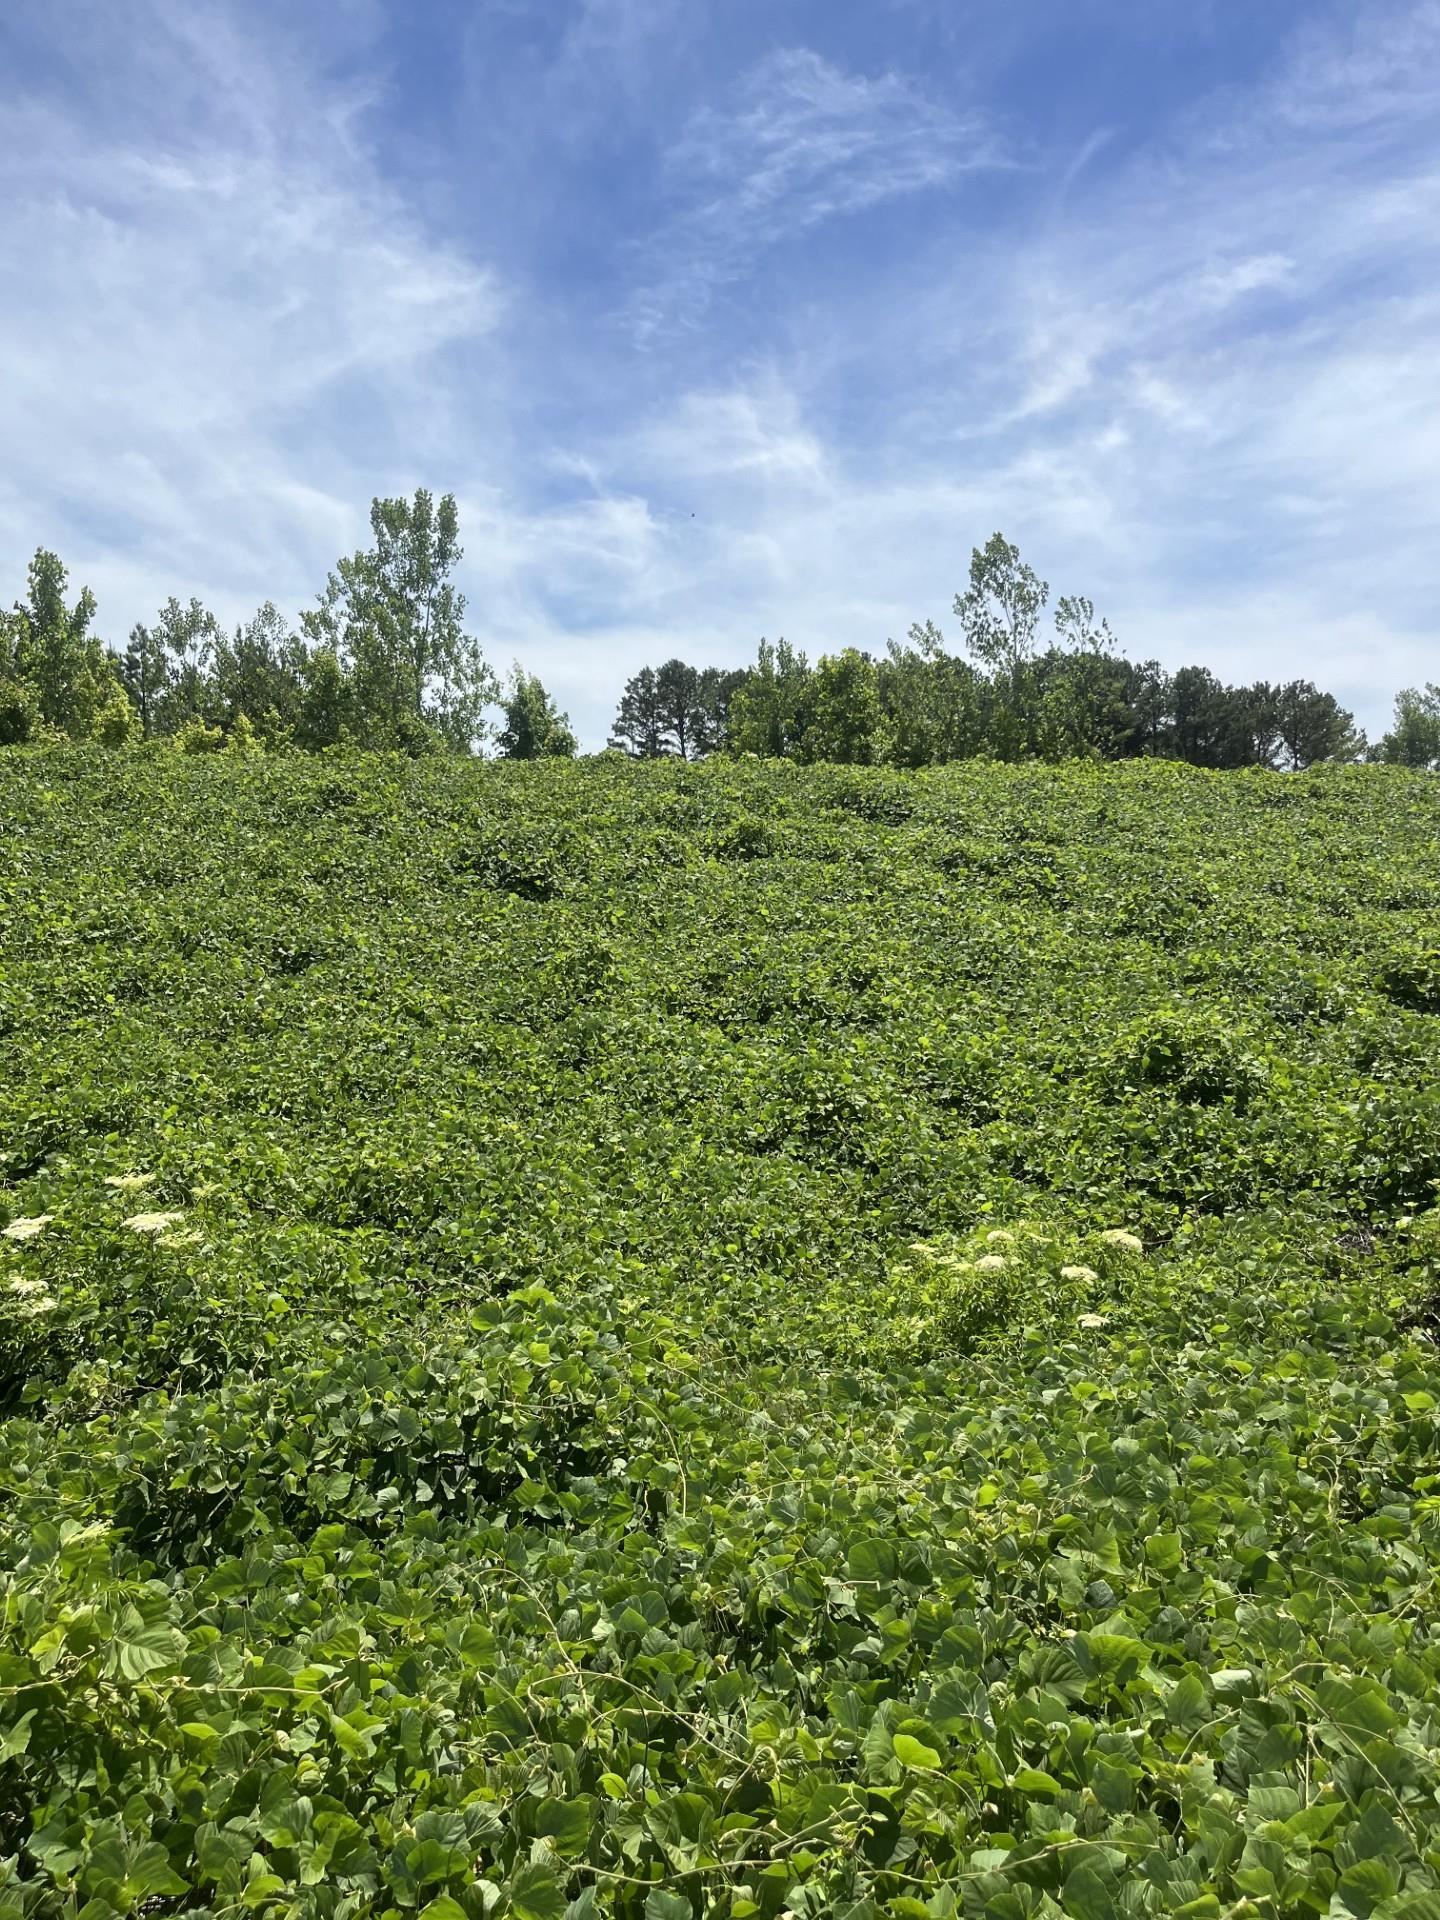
x=20, y=717
x=677, y=687
x=1078, y=628
x=640, y=721
x=259, y=674
x=189, y=635
x=935, y=705
x=1198, y=717
x=393, y=614
x=715, y=688
x=1000, y=611
x=53, y=651
x=145, y=672
x=328, y=715
x=534, y=729
x=1151, y=698
x=1100, y=695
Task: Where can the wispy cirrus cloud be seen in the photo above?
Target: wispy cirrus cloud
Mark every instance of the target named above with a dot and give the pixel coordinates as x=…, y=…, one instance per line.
x=798, y=143
x=1372, y=66
x=215, y=303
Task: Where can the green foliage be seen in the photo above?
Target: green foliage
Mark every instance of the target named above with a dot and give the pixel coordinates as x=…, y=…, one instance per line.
x=196, y=737
x=20, y=717
x=384, y=662
x=845, y=719
x=54, y=672
x=393, y=615
x=659, y=1339
x=1077, y=699
x=1413, y=980
x=534, y=728
x=640, y=720
x=676, y=710
x=769, y=714
x=936, y=707
x=1000, y=610
x=1414, y=739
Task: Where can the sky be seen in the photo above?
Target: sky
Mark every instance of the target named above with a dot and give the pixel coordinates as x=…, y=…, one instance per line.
x=726, y=318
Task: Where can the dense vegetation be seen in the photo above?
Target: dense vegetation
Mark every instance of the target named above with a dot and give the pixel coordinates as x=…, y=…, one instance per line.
x=732, y=1338
x=384, y=661
x=1008, y=695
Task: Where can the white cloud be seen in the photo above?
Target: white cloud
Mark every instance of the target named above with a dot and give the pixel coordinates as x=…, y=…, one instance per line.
x=752, y=434
x=799, y=143
x=200, y=304
x=1222, y=285
x=1375, y=64
x=1208, y=400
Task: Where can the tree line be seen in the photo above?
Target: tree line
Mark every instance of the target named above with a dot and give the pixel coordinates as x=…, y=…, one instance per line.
x=383, y=660
x=1008, y=694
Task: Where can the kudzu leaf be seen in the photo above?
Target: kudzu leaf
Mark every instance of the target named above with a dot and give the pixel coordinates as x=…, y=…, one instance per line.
x=871, y=1560
x=661, y=1904
x=137, y=1650
x=536, y=1893
x=565, y=1824
x=1032, y=1780
x=1165, y=1551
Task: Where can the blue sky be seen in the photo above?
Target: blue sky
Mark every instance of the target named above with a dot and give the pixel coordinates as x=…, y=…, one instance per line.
x=726, y=318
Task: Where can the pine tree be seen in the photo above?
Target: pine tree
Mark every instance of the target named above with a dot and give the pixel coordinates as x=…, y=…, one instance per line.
x=640, y=720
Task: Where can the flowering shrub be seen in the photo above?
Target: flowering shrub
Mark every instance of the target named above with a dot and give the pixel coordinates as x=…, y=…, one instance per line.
x=998, y=1282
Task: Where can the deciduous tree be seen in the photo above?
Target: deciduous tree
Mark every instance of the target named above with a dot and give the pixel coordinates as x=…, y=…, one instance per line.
x=845, y=721
x=394, y=616
x=534, y=728
x=770, y=712
x=1000, y=611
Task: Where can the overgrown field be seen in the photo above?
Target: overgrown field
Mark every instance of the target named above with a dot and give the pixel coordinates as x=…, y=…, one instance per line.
x=723, y=1339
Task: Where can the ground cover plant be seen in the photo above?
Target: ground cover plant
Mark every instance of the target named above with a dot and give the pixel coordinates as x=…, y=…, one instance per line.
x=737, y=1338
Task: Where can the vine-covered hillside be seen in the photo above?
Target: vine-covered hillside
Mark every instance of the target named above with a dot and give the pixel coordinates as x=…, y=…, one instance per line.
x=728, y=1339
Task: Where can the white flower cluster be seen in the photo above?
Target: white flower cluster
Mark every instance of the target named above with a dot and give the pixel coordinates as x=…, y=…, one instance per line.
x=151, y=1222
x=26, y=1229
x=34, y=1298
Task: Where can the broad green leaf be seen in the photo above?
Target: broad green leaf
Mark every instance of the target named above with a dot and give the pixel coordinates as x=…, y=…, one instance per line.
x=536, y=1893
x=914, y=1753
x=663, y=1905
x=566, y=1824
x=1165, y=1551
x=138, y=1650
x=871, y=1560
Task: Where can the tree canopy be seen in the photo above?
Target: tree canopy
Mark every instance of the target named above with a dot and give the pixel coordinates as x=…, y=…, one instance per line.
x=385, y=660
